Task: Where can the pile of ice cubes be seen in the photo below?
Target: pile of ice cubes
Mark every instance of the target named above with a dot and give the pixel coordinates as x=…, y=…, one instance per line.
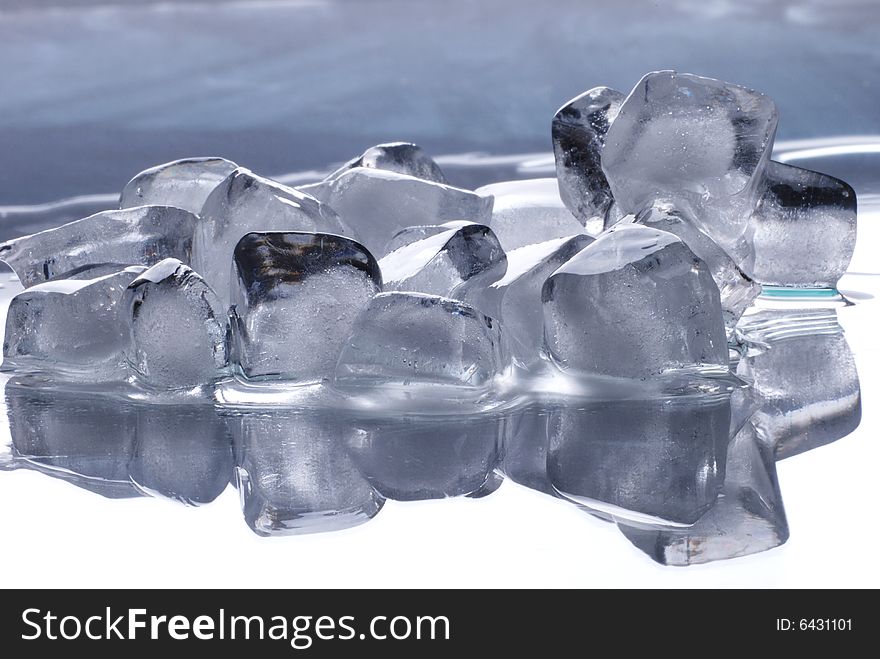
x=635, y=264
x=666, y=217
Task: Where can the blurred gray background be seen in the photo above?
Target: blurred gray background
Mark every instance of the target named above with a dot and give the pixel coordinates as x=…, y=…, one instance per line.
x=95, y=90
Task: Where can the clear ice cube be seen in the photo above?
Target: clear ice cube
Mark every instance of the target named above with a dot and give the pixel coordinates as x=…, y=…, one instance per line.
x=805, y=381
x=75, y=328
x=245, y=202
x=181, y=183
x=651, y=461
x=409, y=235
x=378, y=203
x=804, y=228
x=578, y=131
x=178, y=328
x=530, y=211
x=294, y=474
x=737, y=289
x=416, y=458
x=513, y=297
x=297, y=300
x=401, y=157
x=634, y=304
x=747, y=518
x=133, y=236
x=685, y=138
x=412, y=338
x=441, y=263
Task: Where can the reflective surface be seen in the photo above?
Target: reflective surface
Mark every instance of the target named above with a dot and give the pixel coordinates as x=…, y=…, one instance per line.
x=301, y=85
x=688, y=475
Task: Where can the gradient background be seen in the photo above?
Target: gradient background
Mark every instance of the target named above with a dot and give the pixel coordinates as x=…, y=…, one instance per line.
x=94, y=91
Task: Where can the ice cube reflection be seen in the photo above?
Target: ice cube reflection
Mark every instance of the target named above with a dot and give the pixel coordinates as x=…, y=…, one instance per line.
x=688, y=477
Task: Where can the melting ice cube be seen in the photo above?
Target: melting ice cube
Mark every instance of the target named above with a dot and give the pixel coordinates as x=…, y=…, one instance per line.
x=401, y=157
x=245, y=202
x=298, y=298
x=578, y=131
x=178, y=328
x=697, y=140
x=737, y=289
x=78, y=327
x=409, y=235
x=134, y=236
x=378, y=203
x=514, y=296
x=441, y=263
x=633, y=304
x=181, y=183
x=411, y=338
x=530, y=211
x=804, y=228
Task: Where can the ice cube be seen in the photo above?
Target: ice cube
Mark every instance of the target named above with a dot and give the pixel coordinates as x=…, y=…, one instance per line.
x=441, y=263
x=401, y=157
x=653, y=461
x=378, y=203
x=737, y=289
x=685, y=138
x=182, y=452
x=86, y=440
x=530, y=211
x=805, y=381
x=634, y=304
x=134, y=236
x=415, y=458
x=514, y=296
x=245, y=202
x=297, y=299
x=295, y=475
x=181, y=183
x=747, y=518
x=75, y=328
x=411, y=338
x=409, y=235
x=178, y=328
x=804, y=228
x=579, y=130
